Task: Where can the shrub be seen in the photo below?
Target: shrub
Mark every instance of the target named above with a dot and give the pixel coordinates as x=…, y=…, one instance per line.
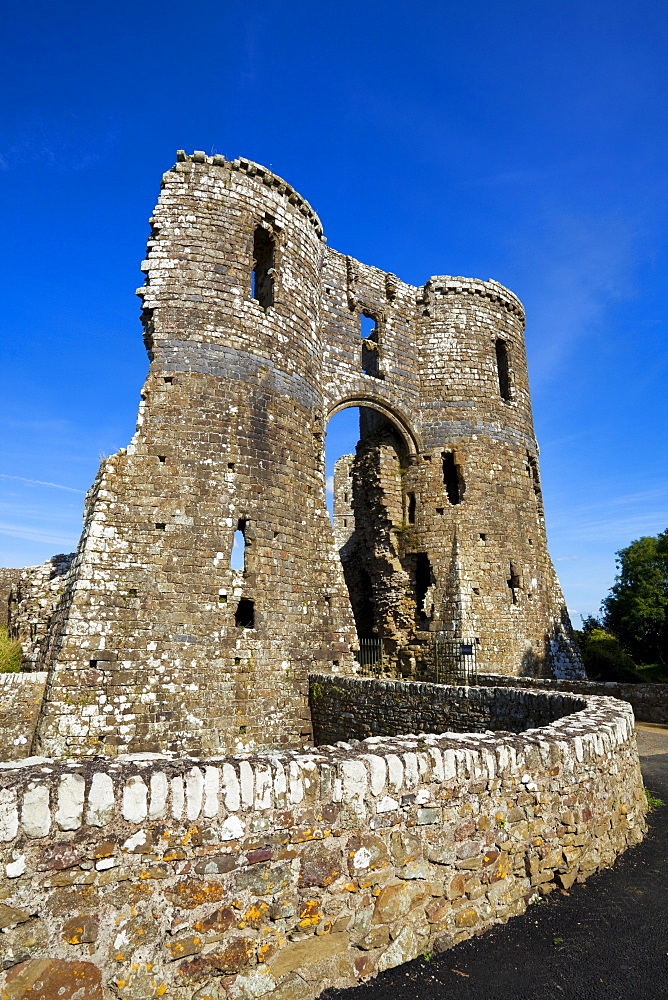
x=605, y=659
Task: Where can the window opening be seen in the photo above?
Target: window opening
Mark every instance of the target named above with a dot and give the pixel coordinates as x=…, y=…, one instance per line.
x=238, y=553
x=244, y=616
x=423, y=582
x=262, y=278
x=410, y=508
x=364, y=608
x=452, y=478
x=532, y=470
x=369, y=333
x=514, y=584
x=502, y=369
x=160, y=526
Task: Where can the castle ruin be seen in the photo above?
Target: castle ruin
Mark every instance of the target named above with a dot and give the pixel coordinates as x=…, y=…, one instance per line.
x=257, y=333
x=164, y=831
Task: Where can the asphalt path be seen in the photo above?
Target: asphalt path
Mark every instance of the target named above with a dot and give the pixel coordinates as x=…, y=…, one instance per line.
x=605, y=939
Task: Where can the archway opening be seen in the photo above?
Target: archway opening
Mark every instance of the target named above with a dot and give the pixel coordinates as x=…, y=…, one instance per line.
x=373, y=493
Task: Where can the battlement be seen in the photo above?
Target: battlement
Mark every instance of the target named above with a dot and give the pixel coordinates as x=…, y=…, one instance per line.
x=267, y=176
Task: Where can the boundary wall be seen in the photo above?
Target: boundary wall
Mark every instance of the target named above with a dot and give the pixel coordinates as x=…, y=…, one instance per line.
x=649, y=701
x=278, y=874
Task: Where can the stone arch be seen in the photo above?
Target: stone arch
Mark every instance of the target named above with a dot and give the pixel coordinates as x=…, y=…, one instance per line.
x=390, y=412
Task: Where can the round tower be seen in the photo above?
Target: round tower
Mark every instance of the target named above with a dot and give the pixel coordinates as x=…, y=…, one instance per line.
x=193, y=645
x=482, y=514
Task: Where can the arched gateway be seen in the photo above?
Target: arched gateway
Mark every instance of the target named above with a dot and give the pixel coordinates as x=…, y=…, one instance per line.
x=257, y=332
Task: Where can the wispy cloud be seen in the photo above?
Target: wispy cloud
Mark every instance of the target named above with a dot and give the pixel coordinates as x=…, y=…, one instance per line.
x=39, y=482
x=613, y=518
x=565, y=558
x=329, y=486
x=44, y=535
x=583, y=265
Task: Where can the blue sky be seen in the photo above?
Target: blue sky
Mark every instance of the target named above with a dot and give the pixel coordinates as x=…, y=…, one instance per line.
x=520, y=141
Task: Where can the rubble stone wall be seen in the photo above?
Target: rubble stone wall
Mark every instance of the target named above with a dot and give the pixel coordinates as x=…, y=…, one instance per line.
x=277, y=874
x=649, y=701
x=21, y=696
x=33, y=600
x=355, y=707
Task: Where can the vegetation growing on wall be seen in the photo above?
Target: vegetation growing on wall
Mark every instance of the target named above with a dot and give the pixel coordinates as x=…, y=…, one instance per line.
x=10, y=653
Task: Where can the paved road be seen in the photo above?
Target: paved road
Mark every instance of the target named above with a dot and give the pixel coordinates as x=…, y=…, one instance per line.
x=606, y=939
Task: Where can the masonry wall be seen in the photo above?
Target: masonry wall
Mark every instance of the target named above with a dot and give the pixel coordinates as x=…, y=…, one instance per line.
x=648, y=701
x=158, y=643
x=32, y=601
x=278, y=874
x=343, y=708
x=21, y=697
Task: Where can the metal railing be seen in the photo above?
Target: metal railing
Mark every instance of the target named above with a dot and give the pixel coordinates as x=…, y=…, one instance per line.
x=455, y=661
x=370, y=655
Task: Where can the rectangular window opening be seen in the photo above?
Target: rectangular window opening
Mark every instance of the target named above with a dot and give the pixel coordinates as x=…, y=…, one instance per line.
x=262, y=277
x=238, y=553
x=514, y=584
x=502, y=369
x=423, y=581
x=370, y=340
x=160, y=526
x=452, y=478
x=410, y=508
x=244, y=616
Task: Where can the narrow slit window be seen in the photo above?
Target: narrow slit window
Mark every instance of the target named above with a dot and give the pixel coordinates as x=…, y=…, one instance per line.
x=452, y=478
x=262, y=277
x=532, y=469
x=503, y=369
x=410, y=508
x=238, y=554
x=244, y=616
x=514, y=584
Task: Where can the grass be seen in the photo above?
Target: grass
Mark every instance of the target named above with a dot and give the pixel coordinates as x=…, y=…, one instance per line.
x=10, y=653
x=653, y=673
x=653, y=802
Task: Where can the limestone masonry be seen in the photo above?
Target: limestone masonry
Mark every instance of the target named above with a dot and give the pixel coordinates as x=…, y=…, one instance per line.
x=257, y=333
x=278, y=873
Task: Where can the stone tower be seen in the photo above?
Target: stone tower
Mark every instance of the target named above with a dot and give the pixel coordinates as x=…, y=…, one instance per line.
x=257, y=333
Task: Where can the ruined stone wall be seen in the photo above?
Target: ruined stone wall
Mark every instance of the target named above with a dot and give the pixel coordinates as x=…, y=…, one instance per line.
x=155, y=648
x=280, y=873
x=481, y=540
x=343, y=708
x=8, y=580
x=253, y=329
x=32, y=602
x=21, y=697
x=648, y=701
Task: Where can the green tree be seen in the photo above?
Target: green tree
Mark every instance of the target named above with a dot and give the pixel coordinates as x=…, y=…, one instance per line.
x=636, y=608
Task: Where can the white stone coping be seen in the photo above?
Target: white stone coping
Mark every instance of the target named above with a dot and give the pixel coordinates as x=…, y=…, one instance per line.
x=41, y=796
